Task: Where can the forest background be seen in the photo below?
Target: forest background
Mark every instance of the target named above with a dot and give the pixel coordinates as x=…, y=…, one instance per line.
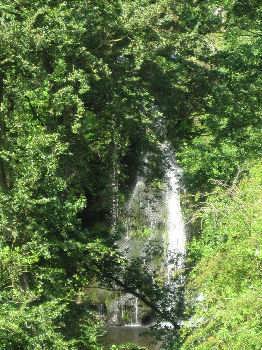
x=87, y=88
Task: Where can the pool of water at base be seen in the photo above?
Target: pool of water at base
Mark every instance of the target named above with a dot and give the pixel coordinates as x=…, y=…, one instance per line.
x=138, y=335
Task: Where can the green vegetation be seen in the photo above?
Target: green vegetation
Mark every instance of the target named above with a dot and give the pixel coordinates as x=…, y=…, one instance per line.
x=87, y=88
x=224, y=288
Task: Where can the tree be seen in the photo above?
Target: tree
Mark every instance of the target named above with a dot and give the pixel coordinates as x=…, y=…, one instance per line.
x=78, y=111
x=228, y=129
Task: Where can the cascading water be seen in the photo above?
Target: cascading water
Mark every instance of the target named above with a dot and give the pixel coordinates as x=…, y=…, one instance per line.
x=139, y=186
x=157, y=215
x=136, y=312
x=176, y=233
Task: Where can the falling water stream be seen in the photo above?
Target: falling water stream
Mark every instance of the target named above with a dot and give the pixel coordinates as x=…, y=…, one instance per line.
x=174, y=232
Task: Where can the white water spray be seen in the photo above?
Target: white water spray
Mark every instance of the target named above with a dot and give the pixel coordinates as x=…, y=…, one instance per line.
x=154, y=211
x=140, y=184
x=176, y=233
x=136, y=311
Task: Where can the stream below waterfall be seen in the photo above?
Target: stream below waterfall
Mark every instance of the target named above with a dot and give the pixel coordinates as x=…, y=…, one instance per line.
x=138, y=335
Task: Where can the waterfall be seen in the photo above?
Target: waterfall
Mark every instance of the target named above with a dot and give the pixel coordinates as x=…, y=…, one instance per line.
x=136, y=312
x=139, y=186
x=176, y=234
x=153, y=213
x=101, y=311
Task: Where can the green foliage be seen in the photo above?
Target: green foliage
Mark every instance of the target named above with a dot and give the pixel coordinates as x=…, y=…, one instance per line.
x=86, y=90
x=225, y=285
x=75, y=108
x=226, y=130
